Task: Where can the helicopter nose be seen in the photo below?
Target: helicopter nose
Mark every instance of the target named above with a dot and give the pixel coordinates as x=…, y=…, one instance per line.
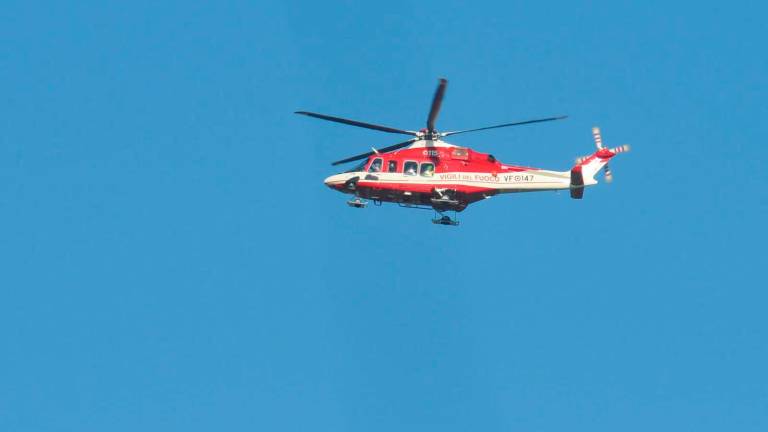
x=334, y=181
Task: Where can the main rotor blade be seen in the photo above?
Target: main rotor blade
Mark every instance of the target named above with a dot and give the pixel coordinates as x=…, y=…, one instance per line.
x=357, y=123
x=437, y=101
x=381, y=150
x=504, y=125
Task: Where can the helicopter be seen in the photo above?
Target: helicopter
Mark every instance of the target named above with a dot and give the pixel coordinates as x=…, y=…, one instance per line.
x=426, y=172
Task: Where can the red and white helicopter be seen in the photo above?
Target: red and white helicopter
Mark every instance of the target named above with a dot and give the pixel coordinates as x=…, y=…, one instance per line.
x=427, y=172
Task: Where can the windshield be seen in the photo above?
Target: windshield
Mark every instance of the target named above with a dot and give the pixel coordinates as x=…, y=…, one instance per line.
x=358, y=167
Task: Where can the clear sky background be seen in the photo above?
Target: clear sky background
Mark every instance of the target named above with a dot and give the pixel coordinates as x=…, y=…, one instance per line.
x=171, y=260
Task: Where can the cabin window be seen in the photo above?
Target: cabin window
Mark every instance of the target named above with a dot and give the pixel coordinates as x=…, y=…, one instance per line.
x=410, y=168
x=375, y=165
x=392, y=166
x=427, y=169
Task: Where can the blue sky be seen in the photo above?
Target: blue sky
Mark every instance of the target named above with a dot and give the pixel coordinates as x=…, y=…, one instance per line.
x=172, y=260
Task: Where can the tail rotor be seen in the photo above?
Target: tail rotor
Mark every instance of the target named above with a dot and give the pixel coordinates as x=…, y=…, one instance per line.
x=583, y=173
x=599, y=144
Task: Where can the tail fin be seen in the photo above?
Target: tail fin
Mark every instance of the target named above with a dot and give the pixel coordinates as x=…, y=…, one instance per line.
x=590, y=165
x=583, y=173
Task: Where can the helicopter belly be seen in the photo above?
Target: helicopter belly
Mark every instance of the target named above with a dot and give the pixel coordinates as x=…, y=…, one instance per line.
x=442, y=196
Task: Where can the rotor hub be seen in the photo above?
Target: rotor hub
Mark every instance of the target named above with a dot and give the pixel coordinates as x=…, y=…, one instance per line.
x=426, y=134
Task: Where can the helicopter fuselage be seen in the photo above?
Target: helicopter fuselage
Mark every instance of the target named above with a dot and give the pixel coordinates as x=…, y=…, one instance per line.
x=442, y=176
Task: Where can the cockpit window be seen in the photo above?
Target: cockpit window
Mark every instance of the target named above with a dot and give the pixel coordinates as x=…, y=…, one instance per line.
x=410, y=168
x=392, y=166
x=375, y=165
x=427, y=169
